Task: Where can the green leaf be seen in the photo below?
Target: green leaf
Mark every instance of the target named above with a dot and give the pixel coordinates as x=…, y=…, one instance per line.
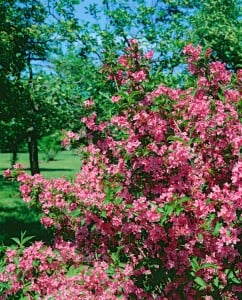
x=184, y=199
x=118, y=201
x=103, y=214
x=195, y=140
x=27, y=238
x=233, y=277
x=114, y=257
x=194, y=264
x=217, y=227
x=236, y=280
x=75, y=213
x=16, y=240
x=200, y=282
x=176, y=138
x=216, y=281
x=111, y=270
x=72, y=271
x=208, y=265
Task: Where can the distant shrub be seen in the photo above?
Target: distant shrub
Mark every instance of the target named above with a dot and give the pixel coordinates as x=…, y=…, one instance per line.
x=50, y=146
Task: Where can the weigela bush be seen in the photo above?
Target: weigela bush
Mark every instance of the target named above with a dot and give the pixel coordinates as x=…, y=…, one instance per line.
x=154, y=212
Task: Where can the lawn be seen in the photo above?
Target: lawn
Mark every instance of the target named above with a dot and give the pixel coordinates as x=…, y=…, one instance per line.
x=15, y=216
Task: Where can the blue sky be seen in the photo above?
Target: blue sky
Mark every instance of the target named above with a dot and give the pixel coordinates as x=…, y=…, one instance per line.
x=81, y=10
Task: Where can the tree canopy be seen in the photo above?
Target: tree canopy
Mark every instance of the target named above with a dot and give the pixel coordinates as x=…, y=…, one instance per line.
x=30, y=33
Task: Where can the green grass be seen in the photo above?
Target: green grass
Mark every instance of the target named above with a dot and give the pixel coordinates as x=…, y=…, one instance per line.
x=65, y=164
x=15, y=216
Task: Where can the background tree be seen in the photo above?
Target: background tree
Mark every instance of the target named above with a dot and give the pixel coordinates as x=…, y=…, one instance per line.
x=31, y=32
x=218, y=25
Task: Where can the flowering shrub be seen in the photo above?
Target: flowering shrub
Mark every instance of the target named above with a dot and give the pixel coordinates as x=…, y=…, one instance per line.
x=155, y=211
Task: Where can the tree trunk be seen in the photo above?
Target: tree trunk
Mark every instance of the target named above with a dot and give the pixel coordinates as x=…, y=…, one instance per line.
x=32, y=138
x=14, y=157
x=33, y=154
x=14, y=153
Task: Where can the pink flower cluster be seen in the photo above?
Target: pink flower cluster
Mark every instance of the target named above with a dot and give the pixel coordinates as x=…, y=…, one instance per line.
x=69, y=137
x=132, y=68
x=88, y=103
x=154, y=212
x=193, y=55
x=62, y=273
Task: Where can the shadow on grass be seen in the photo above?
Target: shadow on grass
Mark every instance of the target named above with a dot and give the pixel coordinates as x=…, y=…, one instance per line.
x=45, y=169
x=55, y=170
x=13, y=228
x=16, y=217
x=15, y=220
x=3, y=169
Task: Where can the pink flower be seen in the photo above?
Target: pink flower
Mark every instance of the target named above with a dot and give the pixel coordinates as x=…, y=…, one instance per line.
x=208, y=52
x=149, y=54
x=192, y=51
x=88, y=103
x=69, y=137
x=237, y=174
x=133, y=42
x=219, y=72
x=72, y=135
x=90, y=121
x=202, y=82
x=117, y=221
x=229, y=236
x=132, y=145
x=115, y=99
x=7, y=173
x=232, y=95
x=19, y=166
x=239, y=75
x=46, y=221
x=139, y=76
x=152, y=215
x=123, y=60
x=11, y=253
